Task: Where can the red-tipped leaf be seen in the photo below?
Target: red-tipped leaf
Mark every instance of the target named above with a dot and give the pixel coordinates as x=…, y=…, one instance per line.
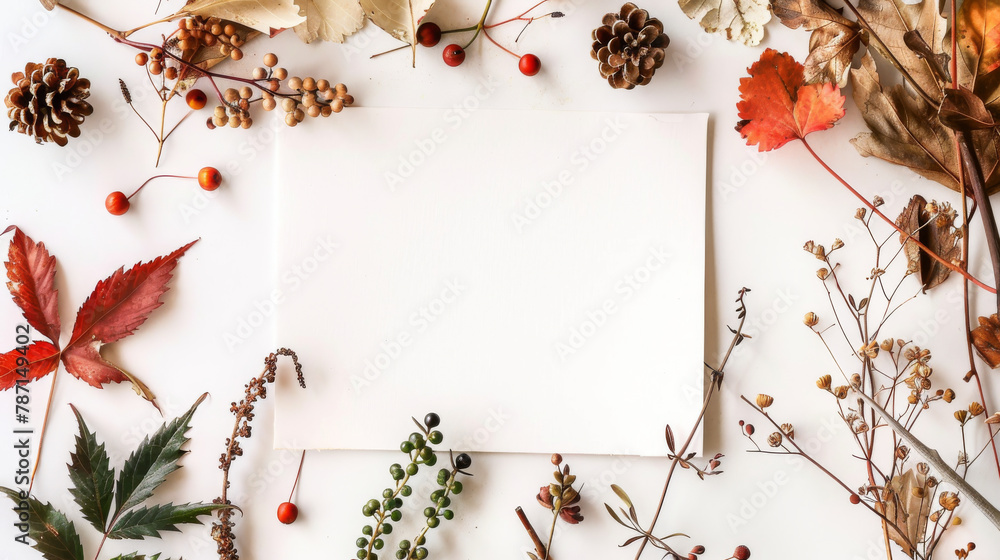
x=31, y=279
x=37, y=360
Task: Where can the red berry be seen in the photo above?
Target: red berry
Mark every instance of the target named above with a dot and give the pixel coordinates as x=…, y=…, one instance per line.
x=749, y=429
x=196, y=99
x=287, y=512
x=453, y=55
x=428, y=34
x=117, y=203
x=209, y=178
x=855, y=499
x=741, y=553
x=529, y=65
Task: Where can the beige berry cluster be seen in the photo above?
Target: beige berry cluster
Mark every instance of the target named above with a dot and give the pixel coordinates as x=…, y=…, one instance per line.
x=309, y=97
x=196, y=32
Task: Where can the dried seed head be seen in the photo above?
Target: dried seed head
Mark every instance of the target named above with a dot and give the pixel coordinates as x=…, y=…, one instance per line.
x=901, y=452
x=949, y=395
x=931, y=482
x=859, y=426
x=961, y=416
x=923, y=468
x=764, y=401
x=822, y=273
x=774, y=440
x=809, y=246
x=949, y=500
x=837, y=244
x=788, y=430
x=859, y=214
x=886, y=345
x=819, y=252
x=923, y=370
x=878, y=201
x=995, y=419
x=912, y=398
x=935, y=516
x=918, y=491
x=841, y=392
x=855, y=380
x=824, y=382
x=870, y=350
x=975, y=409
x=810, y=319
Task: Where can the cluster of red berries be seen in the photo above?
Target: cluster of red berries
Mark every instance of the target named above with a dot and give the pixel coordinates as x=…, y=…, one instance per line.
x=429, y=35
x=117, y=203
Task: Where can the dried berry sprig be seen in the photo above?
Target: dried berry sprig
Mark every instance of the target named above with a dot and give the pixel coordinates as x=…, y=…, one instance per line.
x=449, y=484
x=562, y=499
x=256, y=389
x=679, y=456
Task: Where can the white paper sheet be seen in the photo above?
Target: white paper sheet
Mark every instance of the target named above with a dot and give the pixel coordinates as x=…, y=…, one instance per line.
x=536, y=278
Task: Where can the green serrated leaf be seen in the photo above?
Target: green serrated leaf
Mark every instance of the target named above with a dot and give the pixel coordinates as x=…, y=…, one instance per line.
x=93, y=479
x=148, y=466
x=54, y=535
x=137, y=556
x=149, y=521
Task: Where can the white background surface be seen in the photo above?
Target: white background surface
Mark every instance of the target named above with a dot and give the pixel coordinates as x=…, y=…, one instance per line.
x=761, y=209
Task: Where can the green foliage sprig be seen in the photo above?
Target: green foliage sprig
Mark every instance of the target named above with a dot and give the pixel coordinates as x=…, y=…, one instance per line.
x=116, y=508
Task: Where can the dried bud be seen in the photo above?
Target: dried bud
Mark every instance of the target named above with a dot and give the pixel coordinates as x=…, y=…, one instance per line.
x=931, y=207
x=917, y=491
x=995, y=419
x=870, y=350
x=923, y=468
x=809, y=246
x=824, y=382
x=859, y=214
x=931, y=482
x=859, y=426
x=935, y=516
x=822, y=273
x=912, y=398
x=975, y=409
x=961, y=416
x=949, y=500
x=774, y=440
x=819, y=252
x=855, y=380
x=901, y=452
x=841, y=392
x=925, y=384
x=949, y=395
x=810, y=319
x=923, y=370
x=788, y=430
x=877, y=201
x=886, y=345
x=764, y=401
x=837, y=244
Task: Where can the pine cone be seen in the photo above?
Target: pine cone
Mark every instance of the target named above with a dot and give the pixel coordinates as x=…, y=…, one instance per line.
x=629, y=46
x=48, y=101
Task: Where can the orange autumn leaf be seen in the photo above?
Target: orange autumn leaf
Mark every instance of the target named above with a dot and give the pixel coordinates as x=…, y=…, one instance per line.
x=776, y=106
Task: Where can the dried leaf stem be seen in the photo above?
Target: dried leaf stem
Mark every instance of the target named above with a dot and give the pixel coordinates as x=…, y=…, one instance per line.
x=715, y=382
x=932, y=254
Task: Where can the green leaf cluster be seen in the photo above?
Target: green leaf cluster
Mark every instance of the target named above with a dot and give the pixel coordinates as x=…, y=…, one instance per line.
x=96, y=489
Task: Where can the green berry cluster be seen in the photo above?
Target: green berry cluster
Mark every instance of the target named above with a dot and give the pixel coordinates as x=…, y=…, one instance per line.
x=383, y=513
x=440, y=501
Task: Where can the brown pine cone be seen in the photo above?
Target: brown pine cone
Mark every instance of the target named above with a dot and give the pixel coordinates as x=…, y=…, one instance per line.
x=629, y=46
x=47, y=101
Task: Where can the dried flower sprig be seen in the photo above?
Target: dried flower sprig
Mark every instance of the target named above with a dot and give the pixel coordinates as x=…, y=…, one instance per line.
x=256, y=389
x=561, y=499
x=679, y=456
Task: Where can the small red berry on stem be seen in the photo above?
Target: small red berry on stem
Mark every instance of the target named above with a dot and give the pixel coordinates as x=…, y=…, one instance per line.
x=453, y=55
x=209, y=178
x=196, y=99
x=428, y=34
x=529, y=65
x=287, y=511
x=741, y=553
x=117, y=203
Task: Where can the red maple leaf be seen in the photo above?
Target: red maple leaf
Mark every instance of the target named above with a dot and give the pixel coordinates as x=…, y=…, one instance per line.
x=117, y=307
x=776, y=106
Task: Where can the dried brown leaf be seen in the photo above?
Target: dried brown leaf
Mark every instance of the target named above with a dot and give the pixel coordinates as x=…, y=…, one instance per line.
x=262, y=15
x=329, y=20
x=937, y=232
x=890, y=20
x=986, y=339
x=736, y=20
x=963, y=110
x=398, y=18
x=908, y=511
x=978, y=26
x=905, y=130
x=834, y=40
x=50, y=4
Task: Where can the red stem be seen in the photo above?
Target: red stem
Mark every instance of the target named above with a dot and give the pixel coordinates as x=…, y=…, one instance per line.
x=876, y=211
x=157, y=177
x=297, y=474
x=524, y=13
x=499, y=45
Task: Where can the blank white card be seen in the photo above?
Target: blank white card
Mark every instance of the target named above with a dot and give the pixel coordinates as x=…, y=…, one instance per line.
x=536, y=278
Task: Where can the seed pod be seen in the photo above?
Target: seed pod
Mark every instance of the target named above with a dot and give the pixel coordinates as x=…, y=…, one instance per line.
x=810, y=319
x=764, y=401
x=824, y=382
x=774, y=440
x=975, y=409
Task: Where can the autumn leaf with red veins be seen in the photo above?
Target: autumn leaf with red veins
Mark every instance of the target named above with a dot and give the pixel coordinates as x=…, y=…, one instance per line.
x=117, y=307
x=776, y=106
